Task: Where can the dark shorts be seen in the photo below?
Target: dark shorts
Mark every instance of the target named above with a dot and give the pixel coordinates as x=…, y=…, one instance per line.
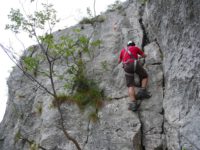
x=129, y=68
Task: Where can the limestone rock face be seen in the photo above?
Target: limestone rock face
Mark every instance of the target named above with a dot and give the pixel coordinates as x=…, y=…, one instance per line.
x=175, y=26
x=168, y=32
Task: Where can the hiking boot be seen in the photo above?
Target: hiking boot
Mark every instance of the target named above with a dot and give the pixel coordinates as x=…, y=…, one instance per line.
x=143, y=94
x=133, y=106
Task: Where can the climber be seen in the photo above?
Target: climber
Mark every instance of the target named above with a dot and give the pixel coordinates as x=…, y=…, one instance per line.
x=129, y=58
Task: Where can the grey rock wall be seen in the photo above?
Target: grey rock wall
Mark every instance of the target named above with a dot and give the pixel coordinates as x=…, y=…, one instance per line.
x=175, y=26
x=168, y=32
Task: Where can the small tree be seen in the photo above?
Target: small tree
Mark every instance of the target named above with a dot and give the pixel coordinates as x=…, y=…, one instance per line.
x=84, y=92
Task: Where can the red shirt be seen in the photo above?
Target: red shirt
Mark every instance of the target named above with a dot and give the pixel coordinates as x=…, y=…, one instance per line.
x=125, y=57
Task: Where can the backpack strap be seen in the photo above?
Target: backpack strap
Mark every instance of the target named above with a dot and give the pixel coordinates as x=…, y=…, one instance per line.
x=128, y=51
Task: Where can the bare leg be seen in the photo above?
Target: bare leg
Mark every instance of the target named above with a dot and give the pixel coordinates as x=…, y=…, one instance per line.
x=133, y=105
x=144, y=83
x=131, y=92
x=143, y=93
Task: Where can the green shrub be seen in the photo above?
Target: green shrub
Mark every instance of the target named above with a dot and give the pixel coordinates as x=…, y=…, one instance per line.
x=116, y=6
x=17, y=136
x=60, y=99
x=39, y=108
x=86, y=95
x=143, y=1
x=97, y=19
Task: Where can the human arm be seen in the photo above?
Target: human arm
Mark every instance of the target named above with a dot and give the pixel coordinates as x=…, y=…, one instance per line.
x=141, y=53
x=144, y=55
x=119, y=60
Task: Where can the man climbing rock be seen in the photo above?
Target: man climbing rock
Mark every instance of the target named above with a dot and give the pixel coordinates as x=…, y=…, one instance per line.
x=129, y=58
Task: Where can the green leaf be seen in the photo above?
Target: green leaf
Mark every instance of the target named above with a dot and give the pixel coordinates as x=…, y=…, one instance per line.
x=96, y=43
x=30, y=63
x=16, y=18
x=17, y=136
x=83, y=40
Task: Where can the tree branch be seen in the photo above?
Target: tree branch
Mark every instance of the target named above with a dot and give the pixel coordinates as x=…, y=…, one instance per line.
x=88, y=130
x=25, y=72
x=65, y=131
x=94, y=8
x=45, y=52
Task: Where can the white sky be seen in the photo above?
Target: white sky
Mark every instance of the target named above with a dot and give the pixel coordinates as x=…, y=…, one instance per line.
x=70, y=12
